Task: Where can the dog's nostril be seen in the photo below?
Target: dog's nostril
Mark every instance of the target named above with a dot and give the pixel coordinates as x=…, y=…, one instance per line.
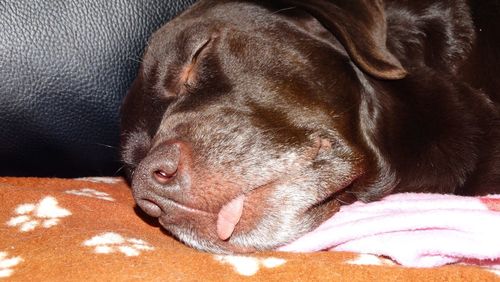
x=163, y=177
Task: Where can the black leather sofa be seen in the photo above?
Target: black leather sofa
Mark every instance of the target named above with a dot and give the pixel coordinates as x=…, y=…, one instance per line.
x=64, y=68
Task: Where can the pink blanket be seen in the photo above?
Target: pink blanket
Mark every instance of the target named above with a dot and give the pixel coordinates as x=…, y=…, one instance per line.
x=415, y=230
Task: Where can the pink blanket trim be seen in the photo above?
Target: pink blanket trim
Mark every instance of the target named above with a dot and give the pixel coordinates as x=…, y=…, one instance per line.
x=414, y=230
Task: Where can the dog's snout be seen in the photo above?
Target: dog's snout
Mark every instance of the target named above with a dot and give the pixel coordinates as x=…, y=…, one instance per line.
x=161, y=177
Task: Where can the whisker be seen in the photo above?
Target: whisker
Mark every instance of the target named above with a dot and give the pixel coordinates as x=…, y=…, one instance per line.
x=135, y=60
x=274, y=129
x=281, y=10
x=106, y=146
x=342, y=202
x=119, y=169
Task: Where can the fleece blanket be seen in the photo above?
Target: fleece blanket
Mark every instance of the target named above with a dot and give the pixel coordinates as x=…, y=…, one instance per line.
x=90, y=230
x=419, y=230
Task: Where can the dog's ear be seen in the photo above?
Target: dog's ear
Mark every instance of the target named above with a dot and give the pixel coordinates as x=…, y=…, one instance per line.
x=360, y=25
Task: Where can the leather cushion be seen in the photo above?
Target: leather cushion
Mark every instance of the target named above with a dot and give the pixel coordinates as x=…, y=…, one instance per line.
x=65, y=67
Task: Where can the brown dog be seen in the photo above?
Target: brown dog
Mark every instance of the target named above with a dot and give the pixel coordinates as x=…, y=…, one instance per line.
x=251, y=122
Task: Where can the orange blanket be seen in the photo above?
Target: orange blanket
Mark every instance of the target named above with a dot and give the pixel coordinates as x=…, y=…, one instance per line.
x=88, y=229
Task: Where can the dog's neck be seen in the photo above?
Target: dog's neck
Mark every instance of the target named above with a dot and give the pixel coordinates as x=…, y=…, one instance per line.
x=439, y=125
x=438, y=34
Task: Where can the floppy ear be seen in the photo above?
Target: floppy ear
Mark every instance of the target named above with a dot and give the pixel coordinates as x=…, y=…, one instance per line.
x=360, y=25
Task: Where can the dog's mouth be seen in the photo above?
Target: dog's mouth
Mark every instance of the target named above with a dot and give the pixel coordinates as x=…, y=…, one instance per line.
x=227, y=218
x=223, y=231
x=218, y=240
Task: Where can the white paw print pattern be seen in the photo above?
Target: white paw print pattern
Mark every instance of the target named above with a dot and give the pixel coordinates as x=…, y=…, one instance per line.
x=367, y=259
x=495, y=269
x=106, y=180
x=91, y=193
x=249, y=266
x=47, y=213
x=111, y=242
x=7, y=264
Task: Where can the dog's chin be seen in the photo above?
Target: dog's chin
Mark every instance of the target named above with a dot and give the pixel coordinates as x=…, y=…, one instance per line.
x=191, y=238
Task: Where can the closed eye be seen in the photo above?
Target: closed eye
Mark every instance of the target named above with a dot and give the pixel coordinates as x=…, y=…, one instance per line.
x=188, y=74
x=199, y=50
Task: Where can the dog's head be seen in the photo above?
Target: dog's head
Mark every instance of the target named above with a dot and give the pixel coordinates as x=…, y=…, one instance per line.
x=250, y=123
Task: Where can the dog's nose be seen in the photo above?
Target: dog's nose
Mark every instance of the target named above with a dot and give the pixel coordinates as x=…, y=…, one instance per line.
x=164, y=164
x=162, y=175
x=163, y=172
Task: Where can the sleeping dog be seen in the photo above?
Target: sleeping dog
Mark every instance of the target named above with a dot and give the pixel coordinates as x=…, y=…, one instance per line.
x=251, y=122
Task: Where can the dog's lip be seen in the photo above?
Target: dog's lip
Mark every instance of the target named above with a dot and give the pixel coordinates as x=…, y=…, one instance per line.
x=173, y=204
x=167, y=204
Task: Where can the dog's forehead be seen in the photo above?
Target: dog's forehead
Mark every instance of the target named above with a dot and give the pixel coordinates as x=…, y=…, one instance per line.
x=277, y=75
